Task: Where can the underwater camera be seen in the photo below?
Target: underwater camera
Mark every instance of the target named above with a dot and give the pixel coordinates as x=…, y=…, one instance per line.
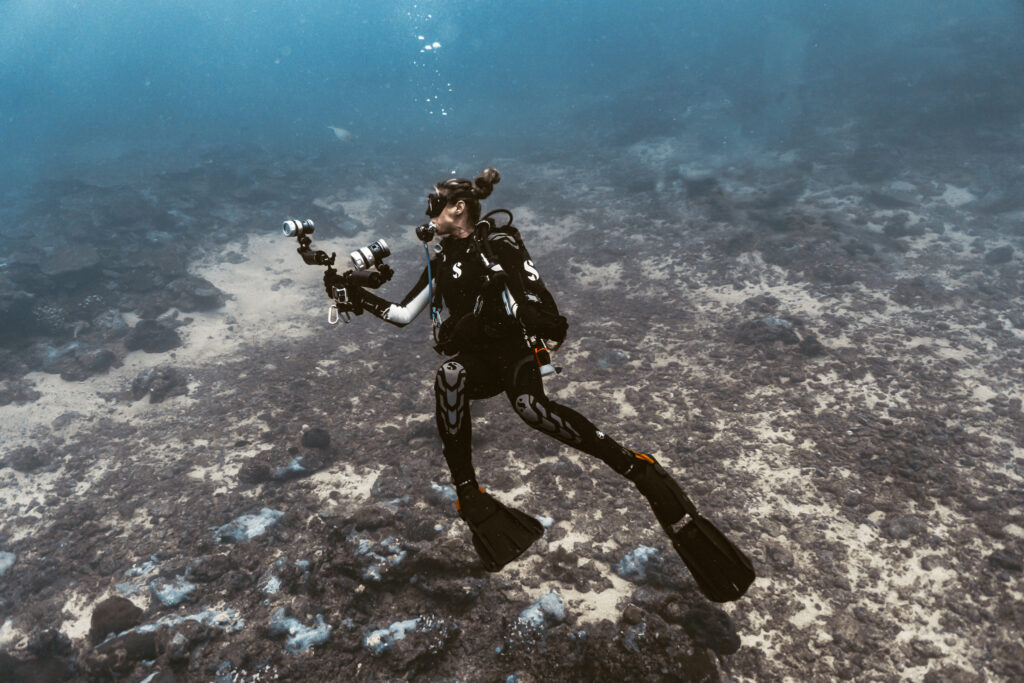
x=370, y=269
x=370, y=256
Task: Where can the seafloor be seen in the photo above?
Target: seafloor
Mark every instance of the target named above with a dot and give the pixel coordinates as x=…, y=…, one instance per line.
x=824, y=345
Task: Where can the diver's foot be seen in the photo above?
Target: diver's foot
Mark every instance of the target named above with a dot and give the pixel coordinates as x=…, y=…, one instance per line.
x=500, y=534
x=721, y=570
x=670, y=505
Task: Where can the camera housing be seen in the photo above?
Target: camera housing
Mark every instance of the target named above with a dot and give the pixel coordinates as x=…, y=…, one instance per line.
x=296, y=228
x=371, y=255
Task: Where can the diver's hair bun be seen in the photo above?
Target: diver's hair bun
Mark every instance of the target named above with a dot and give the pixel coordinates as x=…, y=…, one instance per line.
x=485, y=182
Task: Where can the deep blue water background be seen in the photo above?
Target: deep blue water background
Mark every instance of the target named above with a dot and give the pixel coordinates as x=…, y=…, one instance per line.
x=88, y=81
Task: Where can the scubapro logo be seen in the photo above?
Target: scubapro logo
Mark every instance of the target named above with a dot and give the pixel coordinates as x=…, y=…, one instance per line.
x=532, y=274
x=457, y=270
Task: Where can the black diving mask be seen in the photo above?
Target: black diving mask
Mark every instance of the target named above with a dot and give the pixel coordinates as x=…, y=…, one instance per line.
x=435, y=204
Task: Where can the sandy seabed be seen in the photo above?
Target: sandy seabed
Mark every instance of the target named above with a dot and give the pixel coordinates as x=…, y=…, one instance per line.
x=875, y=482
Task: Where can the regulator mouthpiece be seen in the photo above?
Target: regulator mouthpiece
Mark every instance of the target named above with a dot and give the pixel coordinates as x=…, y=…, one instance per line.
x=426, y=232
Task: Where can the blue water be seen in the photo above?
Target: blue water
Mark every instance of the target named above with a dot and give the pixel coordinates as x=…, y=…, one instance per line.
x=82, y=82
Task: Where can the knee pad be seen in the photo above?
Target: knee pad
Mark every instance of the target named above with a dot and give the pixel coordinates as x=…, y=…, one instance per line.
x=450, y=390
x=539, y=415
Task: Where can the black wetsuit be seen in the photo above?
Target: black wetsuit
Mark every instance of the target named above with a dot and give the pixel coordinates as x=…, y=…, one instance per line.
x=490, y=352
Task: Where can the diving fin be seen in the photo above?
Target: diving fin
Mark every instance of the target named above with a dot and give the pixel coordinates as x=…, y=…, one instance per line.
x=500, y=533
x=722, y=572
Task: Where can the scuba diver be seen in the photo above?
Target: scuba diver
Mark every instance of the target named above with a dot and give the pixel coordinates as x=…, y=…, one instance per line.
x=499, y=313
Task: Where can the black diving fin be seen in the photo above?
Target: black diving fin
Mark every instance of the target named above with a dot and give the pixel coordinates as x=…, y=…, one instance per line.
x=500, y=533
x=722, y=571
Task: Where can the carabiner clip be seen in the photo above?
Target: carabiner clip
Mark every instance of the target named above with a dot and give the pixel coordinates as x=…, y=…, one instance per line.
x=334, y=315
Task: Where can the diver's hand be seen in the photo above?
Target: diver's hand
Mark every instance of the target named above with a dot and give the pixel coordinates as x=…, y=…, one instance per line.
x=542, y=323
x=334, y=281
x=331, y=280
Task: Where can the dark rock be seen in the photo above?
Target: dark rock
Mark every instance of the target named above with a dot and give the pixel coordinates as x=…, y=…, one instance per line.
x=390, y=484
x=159, y=383
x=369, y=517
x=952, y=674
x=765, y=304
x=457, y=591
x=1007, y=560
x=17, y=391
x=66, y=260
x=12, y=365
x=26, y=459
x=632, y=615
x=210, y=568
x=74, y=362
x=44, y=670
x=120, y=653
x=49, y=318
x=316, y=438
x=255, y=472
x=192, y=293
x=109, y=326
x=779, y=556
x=65, y=419
x=899, y=226
x=89, y=361
x=999, y=256
x=152, y=336
x=811, y=347
x=177, y=641
x=113, y=615
x=847, y=631
x=49, y=643
x=712, y=628
x=902, y=527
x=423, y=645
x=236, y=581
x=766, y=331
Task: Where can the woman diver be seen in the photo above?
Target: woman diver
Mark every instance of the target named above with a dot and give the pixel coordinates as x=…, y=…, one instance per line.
x=496, y=301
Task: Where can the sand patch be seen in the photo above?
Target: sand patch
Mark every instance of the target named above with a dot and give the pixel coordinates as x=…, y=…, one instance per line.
x=249, y=317
x=956, y=196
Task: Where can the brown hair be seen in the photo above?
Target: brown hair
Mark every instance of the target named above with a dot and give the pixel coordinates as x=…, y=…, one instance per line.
x=470, y=192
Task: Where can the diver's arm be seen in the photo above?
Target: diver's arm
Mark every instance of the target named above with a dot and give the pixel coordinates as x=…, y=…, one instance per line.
x=403, y=313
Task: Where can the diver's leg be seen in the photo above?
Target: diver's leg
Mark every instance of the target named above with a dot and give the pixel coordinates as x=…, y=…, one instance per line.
x=526, y=393
x=453, y=421
x=721, y=570
x=458, y=381
x=500, y=534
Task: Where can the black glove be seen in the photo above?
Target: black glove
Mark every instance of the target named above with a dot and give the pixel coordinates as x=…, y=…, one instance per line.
x=550, y=326
x=331, y=280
